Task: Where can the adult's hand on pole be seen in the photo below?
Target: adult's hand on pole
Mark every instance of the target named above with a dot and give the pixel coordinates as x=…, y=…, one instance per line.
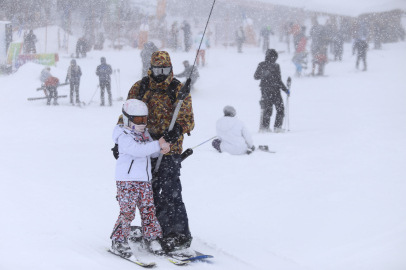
x=165, y=147
x=172, y=136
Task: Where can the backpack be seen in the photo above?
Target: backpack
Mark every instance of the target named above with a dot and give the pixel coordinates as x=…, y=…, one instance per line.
x=171, y=90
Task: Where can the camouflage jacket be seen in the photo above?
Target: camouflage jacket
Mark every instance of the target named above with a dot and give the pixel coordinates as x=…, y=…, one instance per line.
x=160, y=110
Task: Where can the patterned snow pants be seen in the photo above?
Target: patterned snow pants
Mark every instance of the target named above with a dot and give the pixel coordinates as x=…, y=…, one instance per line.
x=132, y=194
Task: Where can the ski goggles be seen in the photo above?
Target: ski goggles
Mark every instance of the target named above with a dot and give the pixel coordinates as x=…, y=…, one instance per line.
x=161, y=70
x=138, y=120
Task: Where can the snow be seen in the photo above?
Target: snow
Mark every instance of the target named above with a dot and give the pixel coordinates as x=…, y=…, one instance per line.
x=343, y=7
x=332, y=197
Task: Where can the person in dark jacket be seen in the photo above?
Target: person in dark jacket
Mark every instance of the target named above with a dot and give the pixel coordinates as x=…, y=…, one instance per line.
x=269, y=73
x=30, y=41
x=104, y=71
x=73, y=76
x=338, y=44
x=81, y=47
x=361, y=46
x=186, y=73
x=146, y=53
x=187, y=33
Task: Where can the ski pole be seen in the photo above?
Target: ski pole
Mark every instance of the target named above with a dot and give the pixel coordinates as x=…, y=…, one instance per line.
x=94, y=95
x=188, y=152
x=183, y=93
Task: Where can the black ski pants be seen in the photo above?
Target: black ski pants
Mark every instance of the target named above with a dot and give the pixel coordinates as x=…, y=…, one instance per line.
x=362, y=55
x=267, y=102
x=52, y=93
x=74, y=86
x=170, y=209
x=105, y=85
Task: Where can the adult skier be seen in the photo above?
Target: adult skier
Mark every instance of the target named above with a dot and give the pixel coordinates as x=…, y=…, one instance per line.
x=146, y=53
x=318, y=47
x=265, y=33
x=233, y=137
x=187, y=33
x=81, y=47
x=240, y=38
x=30, y=41
x=104, y=71
x=159, y=90
x=300, y=54
x=269, y=73
x=186, y=73
x=73, y=76
x=202, y=52
x=133, y=175
x=361, y=46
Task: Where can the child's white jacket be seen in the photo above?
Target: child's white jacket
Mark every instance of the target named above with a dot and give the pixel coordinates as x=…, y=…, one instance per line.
x=135, y=152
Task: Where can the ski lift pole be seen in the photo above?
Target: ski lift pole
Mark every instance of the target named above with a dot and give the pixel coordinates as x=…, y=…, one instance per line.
x=183, y=93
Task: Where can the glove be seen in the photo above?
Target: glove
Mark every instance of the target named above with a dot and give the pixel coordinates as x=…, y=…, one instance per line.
x=288, y=93
x=115, y=151
x=253, y=148
x=173, y=135
x=266, y=73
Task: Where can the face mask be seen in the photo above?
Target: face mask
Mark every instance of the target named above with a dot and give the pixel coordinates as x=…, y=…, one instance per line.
x=139, y=128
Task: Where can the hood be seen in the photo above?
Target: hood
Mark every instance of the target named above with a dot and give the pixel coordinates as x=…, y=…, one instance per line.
x=160, y=58
x=226, y=123
x=271, y=56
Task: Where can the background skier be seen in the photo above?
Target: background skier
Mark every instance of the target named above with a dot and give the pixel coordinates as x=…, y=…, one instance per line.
x=81, y=47
x=133, y=175
x=146, y=53
x=73, y=76
x=233, y=137
x=104, y=71
x=51, y=86
x=30, y=41
x=265, y=33
x=187, y=33
x=186, y=73
x=300, y=54
x=202, y=52
x=270, y=75
x=159, y=90
x=240, y=38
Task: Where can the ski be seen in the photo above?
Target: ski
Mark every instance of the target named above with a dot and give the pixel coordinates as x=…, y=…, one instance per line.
x=133, y=259
x=43, y=88
x=198, y=256
x=37, y=98
x=172, y=260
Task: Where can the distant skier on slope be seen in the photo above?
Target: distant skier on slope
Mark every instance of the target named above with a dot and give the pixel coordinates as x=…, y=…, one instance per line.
x=159, y=90
x=269, y=73
x=133, y=176
x=147, y=51
x=73, y=76
x=104, y=71
x=51, y=86
x=233, y=137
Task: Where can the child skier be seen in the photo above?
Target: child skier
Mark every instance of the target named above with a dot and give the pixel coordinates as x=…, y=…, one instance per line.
x=133, y=179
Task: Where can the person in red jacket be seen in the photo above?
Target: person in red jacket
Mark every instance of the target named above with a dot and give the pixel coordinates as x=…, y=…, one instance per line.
x=300, y=55
x=51, y=86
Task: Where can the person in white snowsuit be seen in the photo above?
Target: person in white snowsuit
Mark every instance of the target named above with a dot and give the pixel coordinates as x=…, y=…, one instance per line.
x=133, y=179
x=233, y=137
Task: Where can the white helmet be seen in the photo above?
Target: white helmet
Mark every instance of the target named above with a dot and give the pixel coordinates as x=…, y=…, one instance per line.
x=131, y=109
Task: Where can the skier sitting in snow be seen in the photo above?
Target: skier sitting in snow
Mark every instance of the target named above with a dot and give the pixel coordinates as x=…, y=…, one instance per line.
x=133, y=179
x=233, y=137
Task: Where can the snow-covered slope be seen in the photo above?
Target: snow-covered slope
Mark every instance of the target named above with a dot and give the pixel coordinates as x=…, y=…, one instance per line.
x=332, y=197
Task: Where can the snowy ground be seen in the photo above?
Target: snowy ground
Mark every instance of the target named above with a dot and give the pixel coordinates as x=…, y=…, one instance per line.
x=332, y=197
